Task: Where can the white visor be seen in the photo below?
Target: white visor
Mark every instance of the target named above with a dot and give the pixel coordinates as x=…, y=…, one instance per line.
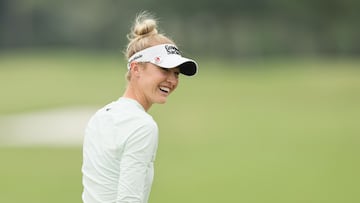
x=165, y=56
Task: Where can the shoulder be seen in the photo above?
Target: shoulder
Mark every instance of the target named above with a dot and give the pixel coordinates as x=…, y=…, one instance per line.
x=124, y=114
x=148, y=123
x=133, y=110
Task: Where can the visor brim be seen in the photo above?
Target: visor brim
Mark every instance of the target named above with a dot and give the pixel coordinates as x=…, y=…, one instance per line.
x=187, y=66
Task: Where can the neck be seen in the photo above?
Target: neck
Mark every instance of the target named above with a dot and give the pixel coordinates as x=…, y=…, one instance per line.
x=132, y=94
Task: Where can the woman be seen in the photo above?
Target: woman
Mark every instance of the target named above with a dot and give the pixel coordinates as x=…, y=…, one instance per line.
x=121, y=139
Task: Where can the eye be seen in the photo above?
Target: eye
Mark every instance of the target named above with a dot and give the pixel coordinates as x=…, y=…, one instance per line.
x=171, y=71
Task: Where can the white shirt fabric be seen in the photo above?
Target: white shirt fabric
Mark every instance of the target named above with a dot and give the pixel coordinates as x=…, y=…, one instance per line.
x=119, y=150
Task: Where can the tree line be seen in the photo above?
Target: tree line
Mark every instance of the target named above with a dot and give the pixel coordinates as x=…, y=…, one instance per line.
x=227, y=28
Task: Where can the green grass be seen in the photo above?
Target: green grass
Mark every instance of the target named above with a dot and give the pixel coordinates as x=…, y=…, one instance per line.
x=273, y=131
x=37, y=175
x=37, y=81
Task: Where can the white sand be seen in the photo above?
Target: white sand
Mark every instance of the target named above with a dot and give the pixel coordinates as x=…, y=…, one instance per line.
x=57, y=127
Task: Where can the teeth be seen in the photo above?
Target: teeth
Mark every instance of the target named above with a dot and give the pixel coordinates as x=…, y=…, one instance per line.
x=165, y=89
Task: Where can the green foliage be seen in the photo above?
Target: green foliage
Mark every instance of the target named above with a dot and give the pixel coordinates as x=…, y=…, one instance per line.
x=273, y=131
x=230, y=29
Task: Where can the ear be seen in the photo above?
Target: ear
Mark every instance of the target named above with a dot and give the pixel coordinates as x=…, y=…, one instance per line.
x=135, y=68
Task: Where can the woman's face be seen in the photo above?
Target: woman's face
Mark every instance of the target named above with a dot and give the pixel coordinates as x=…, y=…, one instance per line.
x=157, y=83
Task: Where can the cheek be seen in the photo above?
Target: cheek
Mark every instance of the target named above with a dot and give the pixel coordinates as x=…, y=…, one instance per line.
x=176, y=84
x=151, y=78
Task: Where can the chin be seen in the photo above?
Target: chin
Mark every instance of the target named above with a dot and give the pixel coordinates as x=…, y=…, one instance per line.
x=161, y=101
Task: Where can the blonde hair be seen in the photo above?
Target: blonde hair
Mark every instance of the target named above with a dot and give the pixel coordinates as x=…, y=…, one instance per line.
x=144, y=34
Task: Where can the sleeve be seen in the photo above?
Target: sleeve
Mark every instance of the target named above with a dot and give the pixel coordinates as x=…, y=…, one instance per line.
x=137, y=164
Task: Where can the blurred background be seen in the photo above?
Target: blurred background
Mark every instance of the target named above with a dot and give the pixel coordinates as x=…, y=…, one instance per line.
x=257, y=28
x=272, y=115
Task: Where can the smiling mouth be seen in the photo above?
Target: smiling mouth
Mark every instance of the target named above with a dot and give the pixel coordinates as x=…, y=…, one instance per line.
x=165, y=89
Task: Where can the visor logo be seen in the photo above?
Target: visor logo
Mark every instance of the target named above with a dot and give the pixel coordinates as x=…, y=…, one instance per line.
x=135, y=57
x=157, y=59
x=172, y=50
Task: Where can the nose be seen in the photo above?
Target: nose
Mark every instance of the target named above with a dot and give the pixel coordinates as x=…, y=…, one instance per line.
x=173, y=78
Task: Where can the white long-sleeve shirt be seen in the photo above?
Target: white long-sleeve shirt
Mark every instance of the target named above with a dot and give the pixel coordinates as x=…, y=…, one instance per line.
x=119, y=149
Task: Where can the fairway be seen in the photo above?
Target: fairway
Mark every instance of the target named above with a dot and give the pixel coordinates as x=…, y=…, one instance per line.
x=281, y=131
x=40, y=174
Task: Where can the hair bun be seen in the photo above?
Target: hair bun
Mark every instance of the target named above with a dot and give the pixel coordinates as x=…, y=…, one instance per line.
x=148, y=26
x=144, y=25
x=144, y=33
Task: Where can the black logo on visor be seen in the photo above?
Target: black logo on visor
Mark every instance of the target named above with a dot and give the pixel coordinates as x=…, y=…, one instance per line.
x=172, y=50
x=135, y=57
